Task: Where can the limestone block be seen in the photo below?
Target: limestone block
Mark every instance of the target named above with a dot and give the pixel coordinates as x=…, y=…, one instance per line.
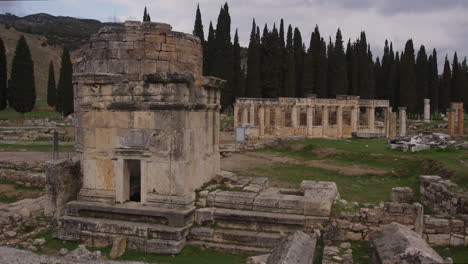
x=438, y=239
x=457, y=240
x=104, y=174
x=262, y=259
x=298, y=248
x=106, y=138
x=319, y=197
x=162, y=66
x=402, y=195
x=64, y=181
x=395, y=243
x=144, y=120
x=149, y=66
x=235, y=200
x=119, y=244
x=204, y=216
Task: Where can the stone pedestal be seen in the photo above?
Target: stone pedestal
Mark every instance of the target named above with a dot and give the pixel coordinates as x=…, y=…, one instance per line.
x=402, y=116
x=427, y=110
x=451, y=121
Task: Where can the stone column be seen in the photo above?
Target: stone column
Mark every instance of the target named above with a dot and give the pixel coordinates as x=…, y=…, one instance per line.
x=402, y=121
x=354, y=118
x=451, y=121
x=236, y=116
x=310, y=120
x=339, y=121
x=261, y=118
x=252, y=115
x=122, y=190
x=460, y=121
x=393, y=125
x=245, y=115
x=371, y=118
x=267, y=119
x=294, y=119
x=324, y=120
x=427, y=110
x=387, y=113
x=144, y=179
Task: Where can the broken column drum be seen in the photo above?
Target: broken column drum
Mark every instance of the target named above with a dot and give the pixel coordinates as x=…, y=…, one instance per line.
x=147, y=125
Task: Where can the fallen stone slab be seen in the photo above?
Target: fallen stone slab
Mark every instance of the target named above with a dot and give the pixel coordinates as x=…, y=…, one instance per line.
x=319, y=197
x=262, y=259
x=395, y=243
x=368, y=135
x=298, y=248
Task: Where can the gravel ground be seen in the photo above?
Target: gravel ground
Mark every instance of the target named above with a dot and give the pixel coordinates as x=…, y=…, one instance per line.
x=17, y=256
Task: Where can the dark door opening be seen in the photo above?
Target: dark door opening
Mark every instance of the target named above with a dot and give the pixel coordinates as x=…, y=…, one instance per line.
x=134, y=170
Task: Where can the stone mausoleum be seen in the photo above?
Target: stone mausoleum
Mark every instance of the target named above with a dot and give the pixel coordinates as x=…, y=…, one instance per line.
x=147, y=132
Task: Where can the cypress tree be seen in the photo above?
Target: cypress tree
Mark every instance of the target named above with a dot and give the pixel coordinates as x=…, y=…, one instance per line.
x=354, y=78
x=340, y=75
x=223, y=60
x=21, y=87
x=408, y=92
x=379, y=79
x=422, y=78
x=316, y=56
x=253, y=65
x=209, y=52
x=330, y=70
x=445, y=87
x=299, y=61
x=395, y=81
x=363, y=67
x=383, y=89
x=64, y=103
x=457, y=85
x=238, y=89
x=391, y=79
x=371, y=78
x=290, y=74
x=434, y=82
x=349, y=65
x=464, y=82
x=146, y=16
x=308, y=77
x=3, y=76
x=322, y=86
x=51, y=90
x=198, y=27
x=281, y=34
x=271, y=64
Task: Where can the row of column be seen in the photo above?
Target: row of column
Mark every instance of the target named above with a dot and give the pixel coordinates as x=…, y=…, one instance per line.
x=264, y=117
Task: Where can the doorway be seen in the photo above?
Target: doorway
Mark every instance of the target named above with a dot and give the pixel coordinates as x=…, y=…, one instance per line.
x=133, y=171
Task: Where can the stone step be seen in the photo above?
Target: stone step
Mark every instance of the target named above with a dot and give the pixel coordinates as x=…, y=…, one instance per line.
x=258, y=221
x=94, y=239
x=133, y=212
x=119, y=227
x=235, y=237
x=234, y=249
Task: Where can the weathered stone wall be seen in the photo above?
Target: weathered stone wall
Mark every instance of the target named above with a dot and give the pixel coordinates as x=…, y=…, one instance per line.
x=23, y=177
x=140, y=95
x=446, y=232
x=35, y=133
x=443, y=197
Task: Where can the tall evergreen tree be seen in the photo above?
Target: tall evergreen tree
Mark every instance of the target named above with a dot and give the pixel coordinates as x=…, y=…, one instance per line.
x=146, y=16
x=322, y=78
x=363, y=67
x=281, y=34
x=318, y=58
x=349, y=65
x=290, y=74
x=51, y=90
x=383, y=89
x=354, y=77
x=21, y=88
x=271, y=64
x=64, y=103
x=199, y=32
x=395, y=81
x=464, y=82
x=445, y=87
x=299, y=61
x=237, y=87
x=253, y=65
x=209, y=52
x=3, y=76
x=339, y=85
x=422, y=78
x=330, y=70
x=434, y=81
x=223, y=60
x=408, y=92
x=379, y=79
x=308, y=76
x=371, y=75
x=457, y=83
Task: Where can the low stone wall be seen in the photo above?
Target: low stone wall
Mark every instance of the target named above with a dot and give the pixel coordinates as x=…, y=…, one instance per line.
x=23, y=177
x=446, y=232
x=359, y=225
x=35, y=133
x=22, y=165
x=443, y=197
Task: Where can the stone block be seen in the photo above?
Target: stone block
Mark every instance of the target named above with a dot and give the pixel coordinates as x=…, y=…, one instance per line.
x=119, y=244
x=402, y=195
x=457, y=240
x=395, y=243
x=319, y=197
x=262, y=259
x=438, y=239
x=298, y=248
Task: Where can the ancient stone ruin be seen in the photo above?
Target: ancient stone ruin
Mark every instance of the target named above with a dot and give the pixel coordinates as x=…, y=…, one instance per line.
x=342, y=117
x=455, y=115
x=147, y=128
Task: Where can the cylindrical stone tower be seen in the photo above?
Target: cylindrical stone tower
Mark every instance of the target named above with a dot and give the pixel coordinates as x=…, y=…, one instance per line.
x=147, y=120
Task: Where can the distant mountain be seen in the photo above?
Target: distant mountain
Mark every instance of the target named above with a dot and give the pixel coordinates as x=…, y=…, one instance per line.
x=58, y=30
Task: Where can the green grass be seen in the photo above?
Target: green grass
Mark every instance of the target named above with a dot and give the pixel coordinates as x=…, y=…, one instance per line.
x=361, y=252
x=188, y=255
x=35, y=148
x=458, y=254
x=10, y=113
x=7, y=199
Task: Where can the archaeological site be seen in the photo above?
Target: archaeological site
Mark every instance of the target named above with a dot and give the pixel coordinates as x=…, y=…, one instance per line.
x=152, y=166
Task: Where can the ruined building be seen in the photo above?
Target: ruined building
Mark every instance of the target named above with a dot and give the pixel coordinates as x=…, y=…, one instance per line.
x=147, y=132
x=317, y=117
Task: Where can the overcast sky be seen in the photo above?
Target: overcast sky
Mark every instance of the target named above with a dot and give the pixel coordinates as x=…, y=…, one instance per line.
x=440, y=24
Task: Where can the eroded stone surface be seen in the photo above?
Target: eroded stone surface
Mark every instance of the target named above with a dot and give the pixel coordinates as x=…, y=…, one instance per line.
x=298, y=248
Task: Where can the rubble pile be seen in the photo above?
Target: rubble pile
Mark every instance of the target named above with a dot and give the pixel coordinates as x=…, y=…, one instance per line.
x=425, y=142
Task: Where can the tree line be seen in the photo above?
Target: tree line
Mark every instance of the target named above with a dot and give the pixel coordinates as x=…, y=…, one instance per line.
x=280, y=64
x=19, y=91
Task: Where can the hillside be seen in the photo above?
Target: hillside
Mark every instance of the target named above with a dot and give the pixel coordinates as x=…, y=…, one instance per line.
x=41, y=52
x=58, y=30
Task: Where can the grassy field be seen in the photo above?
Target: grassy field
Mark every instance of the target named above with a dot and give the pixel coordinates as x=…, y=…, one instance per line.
x=187, y=256
x=458, y=254
x=402, y=169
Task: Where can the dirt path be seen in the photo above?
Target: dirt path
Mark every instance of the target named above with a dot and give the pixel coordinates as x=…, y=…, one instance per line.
x=242, y=161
